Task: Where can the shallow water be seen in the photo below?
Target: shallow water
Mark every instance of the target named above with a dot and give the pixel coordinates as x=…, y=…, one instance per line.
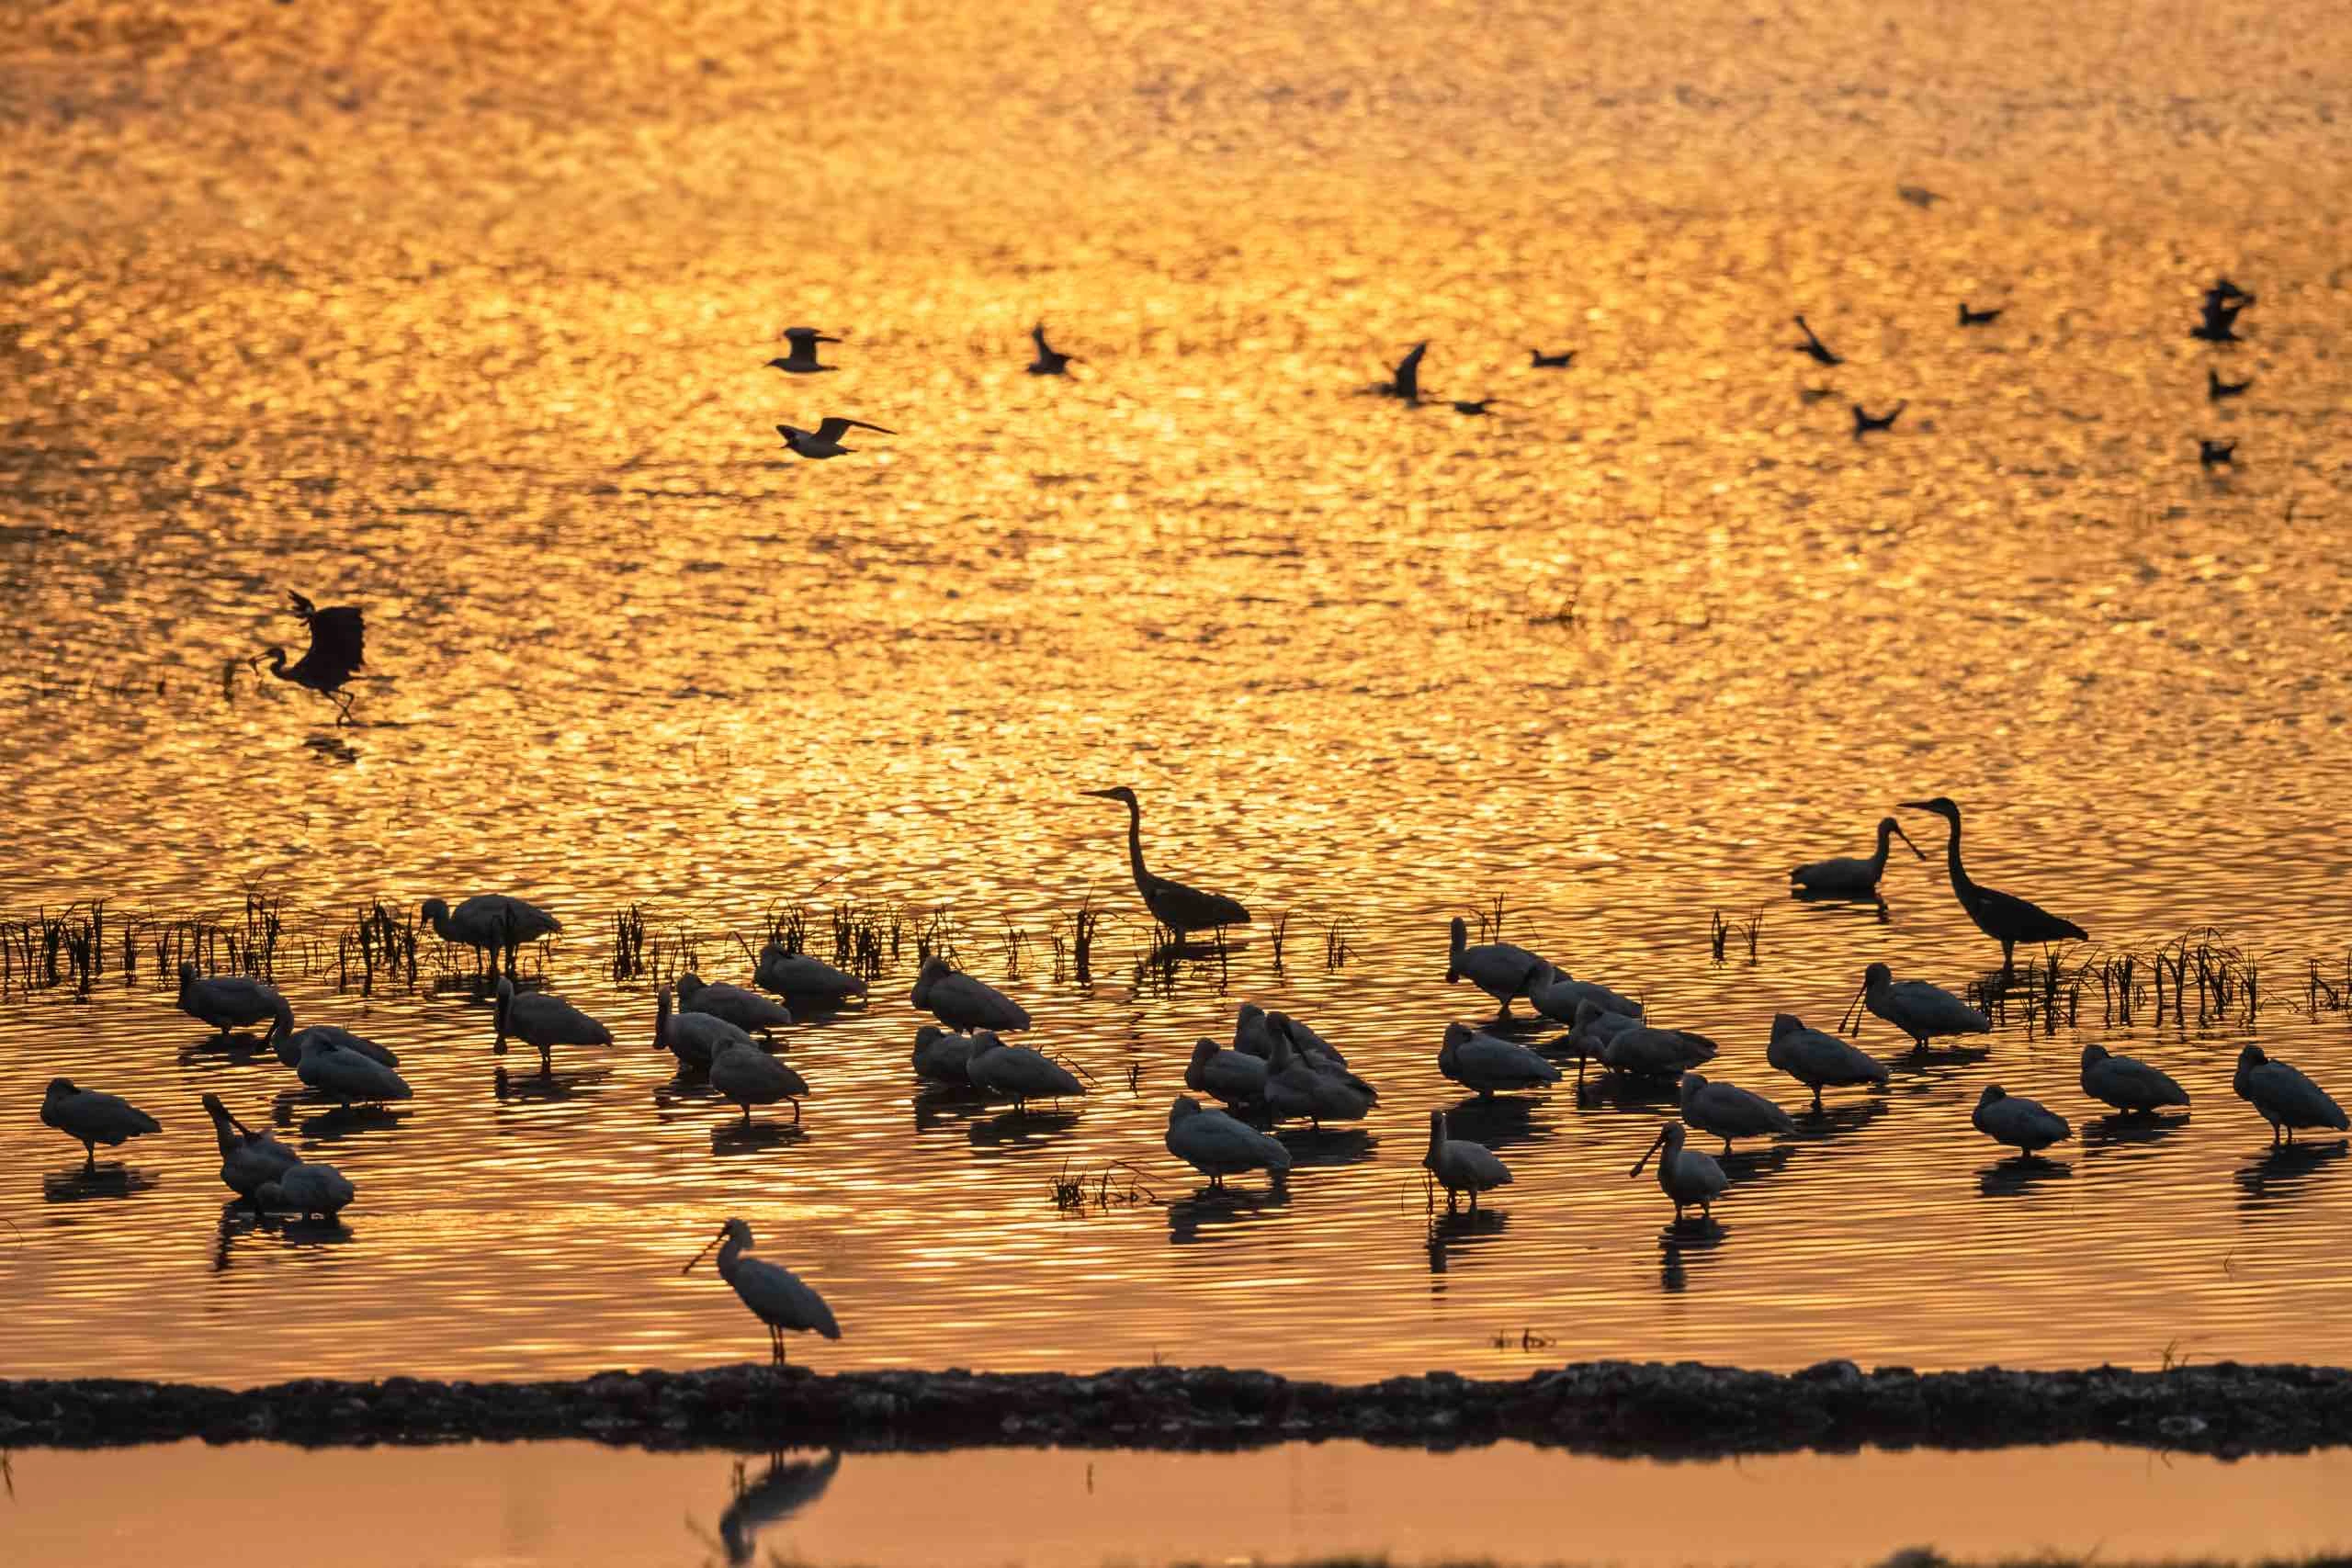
x=317, y=301
x=576, y=1503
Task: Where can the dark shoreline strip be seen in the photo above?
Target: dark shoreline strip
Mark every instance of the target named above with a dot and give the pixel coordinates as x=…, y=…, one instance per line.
x=1683, y=1410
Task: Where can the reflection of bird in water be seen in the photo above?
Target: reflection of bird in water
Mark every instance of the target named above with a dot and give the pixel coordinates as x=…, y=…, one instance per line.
x=495, y=925
x=2283, y=1096
x=1851, y=876
x=802, y=358
x=1501, y=969
x=748, y=1076
x=775, y=1294
x=1728, y=1112
x=1017, y=1073
x=785, y=1488
x=1486, y=1063
x=1218, y=1146
x=2024, y=1124
x=798, y=976
x=2004, y=916
x=747, y=1011
x=543, y=1022
x=2218, y=391
x=91, y=1118
x=1684, y=1175
x=1180, y=908
x=959, y=1001
x=1817, y=1060
x=225, y=1001
x=2126, y=1083
x=248, y=1159
x=1461, y=1165
x=2212, y=454
x=1539, y=360
x=337, y=638
x=1922, y=1012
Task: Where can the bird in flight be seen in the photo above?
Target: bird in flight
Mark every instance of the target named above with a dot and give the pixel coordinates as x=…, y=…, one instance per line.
x=1539, y=360
x=2216, y=454
x=1920, y=196
x=1969, y=317
x=802, y=360
x=2217, y=390
x=825, y=441
x=1814, y=346
x=1407, y=384
x=1050, y=361
x=2220, y=323
x=337, y=637
x=1866, y=422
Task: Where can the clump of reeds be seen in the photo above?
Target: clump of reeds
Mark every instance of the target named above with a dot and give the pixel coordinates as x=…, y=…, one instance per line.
x=378, y=941
x=1278, y=932
x=866, y=937
x=1722, y=932
x=786, y=928
x=1014, y=942
x=2217, y=973
x=1074, y=954
x=1336, y=949
x=1117, y=1185
x=45, y=949
x=1491, y=920
x=2329, y=993
x=628, y=943
x=935, y=938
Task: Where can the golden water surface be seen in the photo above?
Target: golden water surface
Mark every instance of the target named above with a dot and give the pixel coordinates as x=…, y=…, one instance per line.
x=458, y=312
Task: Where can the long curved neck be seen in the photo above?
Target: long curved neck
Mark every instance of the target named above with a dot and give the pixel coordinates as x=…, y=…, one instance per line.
x=1952, y=858
x=225, y=1134
x=1886, y=839
x=1134, y=843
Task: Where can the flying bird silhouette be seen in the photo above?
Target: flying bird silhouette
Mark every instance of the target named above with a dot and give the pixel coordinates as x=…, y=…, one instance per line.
x=1050, y=361
x=2216, y=390
x=1969, y=317
x=1813, y=347
x=802, y=360
x=337, y=637
x=1539, y=360
x=2213, y=453
x=1866, y=422
x=825, y=441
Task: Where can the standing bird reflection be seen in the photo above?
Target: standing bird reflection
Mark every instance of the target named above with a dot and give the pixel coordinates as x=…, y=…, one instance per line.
x=775, y=1294
x=338, y=638
x=1182, y=909
x=2006, y=917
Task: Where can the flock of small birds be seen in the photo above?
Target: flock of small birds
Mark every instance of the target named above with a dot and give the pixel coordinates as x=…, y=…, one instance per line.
x=1276, y=1069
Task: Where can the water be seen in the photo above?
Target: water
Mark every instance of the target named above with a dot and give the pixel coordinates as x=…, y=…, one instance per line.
x=316, y=301
x=579, y=1504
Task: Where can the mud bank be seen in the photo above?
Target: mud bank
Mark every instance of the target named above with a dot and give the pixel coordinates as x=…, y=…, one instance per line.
x=1680, y=1410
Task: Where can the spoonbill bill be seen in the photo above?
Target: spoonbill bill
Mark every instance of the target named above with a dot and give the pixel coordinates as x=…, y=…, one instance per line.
x=776, y=1295
x=90, y=1118
x=345, y=1076
x=1501, y=969
x=1218, y=1146
x=959, y=1001
x=1685, y=1175
x=495, y=925
x=1484, y=1062
x=2279, y=1095
x=226, y=1002
x=543, y=1022
x=338, y=639
x=1180, y=908
x=748, y=1076
x=2006, y=917
x=1851, y=876
x=1817, y=1060
x=2126, y=1083
x=1922, y=1012
x=1017, y=1073
x=1728, y=1112
x=747, y=1011
x=2024, y=1124
x=795, y=975
x=1228, y=1076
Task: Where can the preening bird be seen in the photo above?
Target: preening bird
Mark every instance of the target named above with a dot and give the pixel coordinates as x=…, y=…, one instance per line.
x=825, y=441
x=1484, y=1062
x=495, y=925
x=959, y=1001
x=289, y=1046
x=802, y=359
x=1922, y=1012
x=1501, y=969
x=1866, y=422
x=543, y=1022
x=695, y=1038
x=1050, y=361
x=339, y=636
x=774, y=1293
x=747, y=1011
x=225, y=1001
x=1647, y=1052
x=248, y=1159
x=798, y=976
x=2025, y=1124
x=1017, y=1073
x=1227, y=1076
x=2281, y=1096
x=1295, y=1088
x=308, y=1190
x=943, y=1057
x=1461, y=1165
x=1728, y=1112
x=1180, y=908
x=1813, y=347
x=1684, y=1175
x=1558, y=995
x=2006, y=917
x=1852, y=876
x=90, y=1118
x=2128, y=1084
x=1817, y=1060
x=345, y=1076
x=1218, y=1146
x=748, y=1076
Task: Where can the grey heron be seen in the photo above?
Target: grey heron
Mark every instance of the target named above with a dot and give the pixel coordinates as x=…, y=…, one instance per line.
x=2006, y=917
x=338, y=637
x=1180, y=908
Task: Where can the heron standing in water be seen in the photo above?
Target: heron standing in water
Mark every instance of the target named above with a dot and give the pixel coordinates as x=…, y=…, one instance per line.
x=339, y=636
x=2006, y=917
x=1180, y=908
x=776, y=1295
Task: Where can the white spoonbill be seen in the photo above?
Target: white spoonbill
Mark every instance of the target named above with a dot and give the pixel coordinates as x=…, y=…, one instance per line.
x=1558, y=995
x=776, y=1296
x=290, y=1047
x=1017, y=1073
x=1180, y=908
x=1594, y=1028
x=1684, y=1175
x=1498, y=968
x=90, y=1118
x=1921, y=1011
x=1253, y=1035
x=1218, y=1146
x=544, y=1021
x=2025, y=1124
x=2283, y=1096
x=1461, y=1165
x=307, y=1190
x=797, y=974
x=225, y=1001
x=1728, y=1112
x=1228, y=1076
x=695, y=1038
x=748, y=1076
x=1318, y=1053
x=1852, y=876
x=747, y=1011
x=495, y=925
x=1817, y=1060
x=346, y=1076
x=1295, y=1089
x=1646, y=1052
x=961, y=1001
x=1485, y=1062
x=945, y=1057
x=248, y=1158
x=2126, y=1083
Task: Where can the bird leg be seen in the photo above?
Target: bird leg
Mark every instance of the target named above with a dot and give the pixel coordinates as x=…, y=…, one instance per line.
x=1816, y=1098
x=1474, y=1199
x=89, y=1157
x=747, y=1116
x=547, y=1061
x=796, y=1113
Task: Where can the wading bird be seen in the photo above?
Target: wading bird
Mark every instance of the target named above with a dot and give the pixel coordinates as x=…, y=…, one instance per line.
x=248, y=1159
x=2126, y=1083
x=289, y=1046
x=2279, y=1095
x=1461, y=1165
x=695, y=1038
x=1591, y=1031
x=945, y=1058
x=346, y=1076
x=1049, y=361
x=90, y=1118
x=825, y=441
x=798, y=976
x=1922, y=1012
x=1227, y=1076
x=1295, y=1088
x=543, y=1023
x=227, y=1000
x=1558, y=995
x=1486, y=1064
x=1969, y=317
x=495, y=925
x=1316, y=1053
x=1407, y=386
x=1017, y=1073
x=2212, y=454
x=1539, y=360
x=1644, y=1052
x=802, y=360
x=1498, y=968
x=1218, y=1146
x=2218, y=391
x=2004, y=916
x=2024, y=1124
x=1813, y=347
x=1728, y=1112
x=1866, y=422
x=772, y=1293
x=959, y=1001
x=748, y=1076
x=319, y=1191
x=1817, y=1060
x=1851, y=876
x=747, y=1011
x=1684, y=1175
x=338, y=635
x=1180, y=908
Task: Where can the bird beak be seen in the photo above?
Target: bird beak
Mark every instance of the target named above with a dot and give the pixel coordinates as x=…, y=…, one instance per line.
x=1914, y=806
x=1907, y=839
x=698, y=1256
x=1099, y=794
x=1656, y=1146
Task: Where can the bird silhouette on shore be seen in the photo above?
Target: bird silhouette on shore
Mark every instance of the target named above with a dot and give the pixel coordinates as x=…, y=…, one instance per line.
x=1812, y=346
x=1539, y=360
x=1866, y=422
x=2218, y=391
x=802, y=360
x=1969, y=317
x=2214, y=454
x=1050, y=361
x=825, y=441
x=339, y=636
